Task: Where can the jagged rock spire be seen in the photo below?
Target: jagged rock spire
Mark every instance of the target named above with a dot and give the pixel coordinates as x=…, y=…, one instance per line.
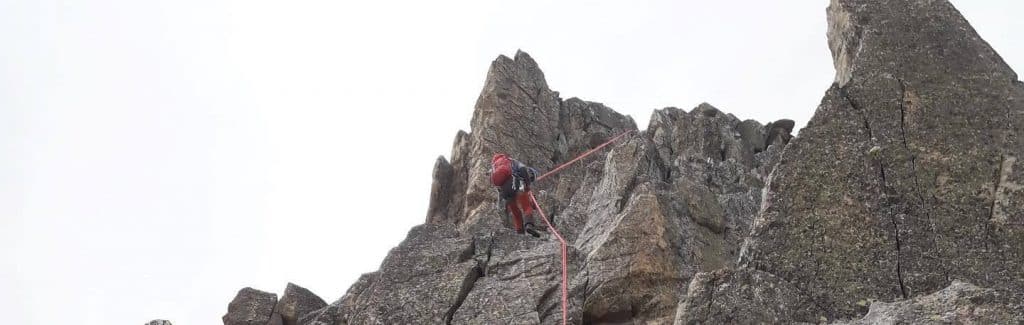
x=907, y=176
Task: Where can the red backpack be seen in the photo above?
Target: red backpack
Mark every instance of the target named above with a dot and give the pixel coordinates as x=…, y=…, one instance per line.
x=501, y=169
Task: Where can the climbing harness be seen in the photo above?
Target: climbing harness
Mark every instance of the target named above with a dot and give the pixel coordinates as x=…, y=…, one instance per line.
x=565, y=262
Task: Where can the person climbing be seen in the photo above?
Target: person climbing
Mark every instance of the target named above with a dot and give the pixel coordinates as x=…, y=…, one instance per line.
x=512, y=179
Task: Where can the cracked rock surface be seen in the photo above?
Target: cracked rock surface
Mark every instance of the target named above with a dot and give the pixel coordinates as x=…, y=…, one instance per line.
x=959, y=303
x=904, y=187
x=898, y=184
x=295, y=302
x=250, y=307
x=641, y=217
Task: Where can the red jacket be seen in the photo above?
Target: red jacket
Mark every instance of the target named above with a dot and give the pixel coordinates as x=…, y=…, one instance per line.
x=510, y=176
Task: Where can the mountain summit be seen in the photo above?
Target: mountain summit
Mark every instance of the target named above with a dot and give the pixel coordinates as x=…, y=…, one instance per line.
x=902, y=200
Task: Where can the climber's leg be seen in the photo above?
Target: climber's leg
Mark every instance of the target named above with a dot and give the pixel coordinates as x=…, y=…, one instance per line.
x=517, y=216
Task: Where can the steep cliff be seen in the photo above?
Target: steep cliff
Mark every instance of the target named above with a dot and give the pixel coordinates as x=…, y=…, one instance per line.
x=641, y=218
x=902, y=200
x=905, y=179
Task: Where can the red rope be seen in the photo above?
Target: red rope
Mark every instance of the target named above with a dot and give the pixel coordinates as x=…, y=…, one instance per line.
x=565, y=262
x=585, y=154
x=565, y=250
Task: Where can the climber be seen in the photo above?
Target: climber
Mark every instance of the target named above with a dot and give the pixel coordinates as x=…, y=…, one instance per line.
x=512, y=179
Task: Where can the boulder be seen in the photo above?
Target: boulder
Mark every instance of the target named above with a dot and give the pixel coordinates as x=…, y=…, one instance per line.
x=295, y=303
x=250, y=307
x=779, y=132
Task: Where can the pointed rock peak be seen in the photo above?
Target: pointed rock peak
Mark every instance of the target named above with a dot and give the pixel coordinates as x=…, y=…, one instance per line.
x=250, y=306
x=516, y=112
x=294, y=289
x=295, y=303
x=522, y=70
x=705, y=109
x=522, y=55
x=903, y=37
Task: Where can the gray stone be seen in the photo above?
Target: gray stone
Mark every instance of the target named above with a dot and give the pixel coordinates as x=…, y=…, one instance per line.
x=295, y=303
x=520, y=283
x=276, y=319
x=422, y=281
x=907, y=177
x=643, y=215
x=440, y=192
x=250, y=307
x=159, y=322
x=959, y=303
x=753, y=136
x=340, y=310
x=939, y=197
x=744, y=296
x=779, y=132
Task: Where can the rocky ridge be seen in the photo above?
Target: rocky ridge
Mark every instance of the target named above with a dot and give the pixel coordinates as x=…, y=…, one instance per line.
x=901, y=201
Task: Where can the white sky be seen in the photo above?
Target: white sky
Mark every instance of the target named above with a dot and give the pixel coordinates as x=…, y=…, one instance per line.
x=157, y=156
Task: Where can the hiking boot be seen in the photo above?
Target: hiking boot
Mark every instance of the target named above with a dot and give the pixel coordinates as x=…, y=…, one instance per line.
x=532, y=230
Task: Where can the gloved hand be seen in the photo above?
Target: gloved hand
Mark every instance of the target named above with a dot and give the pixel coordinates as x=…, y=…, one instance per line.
x=533, y=174
x=527, y=174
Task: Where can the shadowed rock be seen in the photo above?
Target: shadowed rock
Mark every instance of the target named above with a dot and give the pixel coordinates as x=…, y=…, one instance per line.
x=959, y=303
x=250, y=307
x=295, y=303
x=907, y=175
x=422, y=281
x=743, y=296
x=341, y=309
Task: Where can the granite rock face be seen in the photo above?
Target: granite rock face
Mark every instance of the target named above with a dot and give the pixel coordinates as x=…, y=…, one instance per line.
x=296, y=302
x=959, y=303
x=422, y=281
x=250, y=307
x=907, y=177
x=743, y=296
x=341, y=309
x=641, y=217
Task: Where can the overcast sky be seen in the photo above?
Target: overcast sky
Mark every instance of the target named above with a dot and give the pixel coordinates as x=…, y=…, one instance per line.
x=157, y=156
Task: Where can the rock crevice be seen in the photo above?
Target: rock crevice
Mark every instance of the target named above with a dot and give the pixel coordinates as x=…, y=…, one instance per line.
x=903, y=184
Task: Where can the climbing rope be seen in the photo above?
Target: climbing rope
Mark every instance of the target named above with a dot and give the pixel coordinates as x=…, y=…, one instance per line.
x=565, y=262
x=585, y=154
x=565, y=250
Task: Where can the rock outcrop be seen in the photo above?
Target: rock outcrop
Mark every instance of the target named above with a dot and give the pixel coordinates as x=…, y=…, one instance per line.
x=250, y=307
x=743, y=296
x=959, y=303
x=641, y=218
x=906, y=178
x=422, y=281
x=296, y=302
